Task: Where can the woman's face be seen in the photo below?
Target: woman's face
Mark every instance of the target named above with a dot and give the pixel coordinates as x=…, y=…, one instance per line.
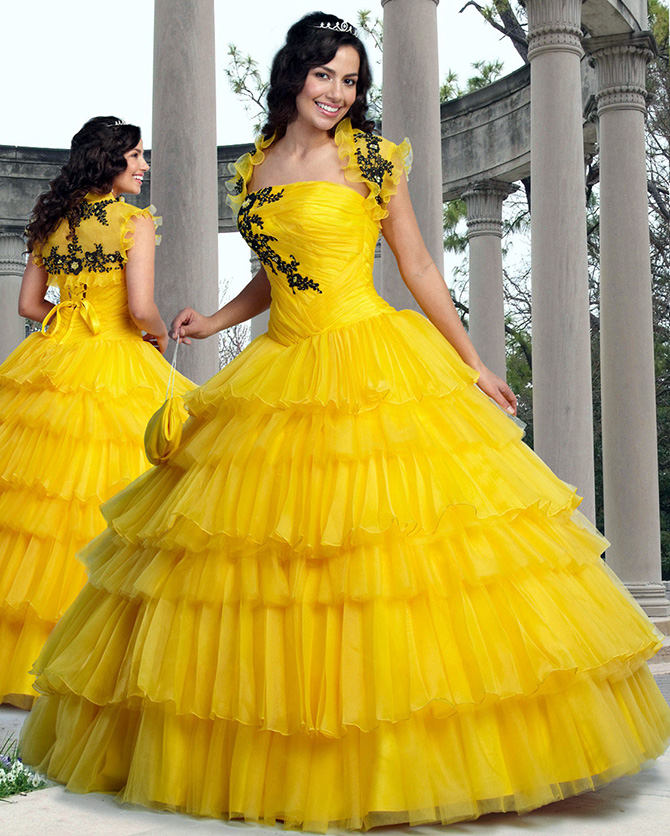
x=129, y=181
x=329, y=91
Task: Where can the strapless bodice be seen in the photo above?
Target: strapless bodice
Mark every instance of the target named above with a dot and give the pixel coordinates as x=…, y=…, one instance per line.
x=317, y=242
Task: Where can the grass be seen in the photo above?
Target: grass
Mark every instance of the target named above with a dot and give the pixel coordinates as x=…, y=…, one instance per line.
x=15, y=777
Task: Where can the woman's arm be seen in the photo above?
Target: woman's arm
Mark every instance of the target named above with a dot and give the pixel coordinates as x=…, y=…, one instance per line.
x=418, y=270
x=251, y=301
x=32, y=303
x=140, y=283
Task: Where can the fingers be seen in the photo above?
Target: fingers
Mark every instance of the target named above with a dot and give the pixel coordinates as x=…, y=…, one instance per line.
x=180, y=323
x=511, y=402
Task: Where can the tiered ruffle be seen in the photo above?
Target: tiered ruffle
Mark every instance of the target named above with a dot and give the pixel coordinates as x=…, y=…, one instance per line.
x=354, y=597
x=72, y=418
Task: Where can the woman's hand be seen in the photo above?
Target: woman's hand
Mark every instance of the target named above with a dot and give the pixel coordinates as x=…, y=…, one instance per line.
x=190, y=323
x=159, y=341
x=496, y=388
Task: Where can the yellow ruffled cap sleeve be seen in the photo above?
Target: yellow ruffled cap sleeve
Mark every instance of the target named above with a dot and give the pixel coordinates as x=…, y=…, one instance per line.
x=373, y=160
x=242, y=170
x=131, y=213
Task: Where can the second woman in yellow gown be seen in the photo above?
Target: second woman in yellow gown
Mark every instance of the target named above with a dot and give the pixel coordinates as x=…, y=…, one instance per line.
x=354, y=597
x=76, y=396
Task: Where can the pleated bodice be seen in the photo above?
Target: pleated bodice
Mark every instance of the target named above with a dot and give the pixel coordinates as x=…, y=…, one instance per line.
x=317, y=241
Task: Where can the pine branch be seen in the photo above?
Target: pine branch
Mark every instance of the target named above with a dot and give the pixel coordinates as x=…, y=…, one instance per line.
x=510, y=26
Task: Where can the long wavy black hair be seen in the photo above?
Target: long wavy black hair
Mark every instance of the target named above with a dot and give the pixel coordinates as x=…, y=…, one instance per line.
x=308, y=46
x=96, y=157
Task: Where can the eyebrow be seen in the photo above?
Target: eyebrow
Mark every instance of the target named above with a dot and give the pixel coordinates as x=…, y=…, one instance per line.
x=332, y=72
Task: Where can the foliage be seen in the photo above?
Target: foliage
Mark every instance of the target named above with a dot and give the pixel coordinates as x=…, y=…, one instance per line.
x=15, y=777
x=508, y=20
x=371, y=29
x=246, y=82
x=485, y=73
x=658, y=187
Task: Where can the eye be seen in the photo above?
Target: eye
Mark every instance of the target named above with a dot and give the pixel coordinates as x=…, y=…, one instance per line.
x=321, y=74
x=350, y=82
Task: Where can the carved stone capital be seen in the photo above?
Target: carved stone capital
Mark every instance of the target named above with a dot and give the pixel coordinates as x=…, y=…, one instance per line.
x=12, y=259
x=554, y=26
x=620, y=62
x=384, y=2
x=484, y=201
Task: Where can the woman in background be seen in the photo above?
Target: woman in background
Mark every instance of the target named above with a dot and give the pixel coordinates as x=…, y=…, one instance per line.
x=75, y=397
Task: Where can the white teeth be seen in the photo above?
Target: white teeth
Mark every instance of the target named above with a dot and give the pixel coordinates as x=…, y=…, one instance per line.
x=327, y=108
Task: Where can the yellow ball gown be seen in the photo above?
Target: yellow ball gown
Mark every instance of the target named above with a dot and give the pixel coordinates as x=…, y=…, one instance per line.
x=354, y=597
x=74, y=401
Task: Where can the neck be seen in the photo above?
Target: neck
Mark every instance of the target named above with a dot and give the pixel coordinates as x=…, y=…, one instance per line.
x=301, y=140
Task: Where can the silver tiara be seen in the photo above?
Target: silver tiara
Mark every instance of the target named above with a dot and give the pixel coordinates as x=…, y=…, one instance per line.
x=340, y=26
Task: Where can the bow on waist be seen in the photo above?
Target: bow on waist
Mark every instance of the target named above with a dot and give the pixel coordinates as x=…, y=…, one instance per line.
x=77, y=304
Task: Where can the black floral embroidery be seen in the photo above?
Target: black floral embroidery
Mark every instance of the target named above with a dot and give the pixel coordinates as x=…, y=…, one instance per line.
x=370, y=161
x=99, y=209
x=260, y=241
x=237, y=186
x=77, y=259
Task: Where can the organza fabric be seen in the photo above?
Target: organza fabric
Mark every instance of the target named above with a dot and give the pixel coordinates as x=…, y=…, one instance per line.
x=354, y=596
x=74, y=401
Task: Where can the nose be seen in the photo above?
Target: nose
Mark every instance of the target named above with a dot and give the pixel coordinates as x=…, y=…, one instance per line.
x=335, y=91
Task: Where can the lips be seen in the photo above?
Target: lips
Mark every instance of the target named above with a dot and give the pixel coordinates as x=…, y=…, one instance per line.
x=329, y=110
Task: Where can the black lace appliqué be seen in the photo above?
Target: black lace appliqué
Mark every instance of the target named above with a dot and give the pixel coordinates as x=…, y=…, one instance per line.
x=99, y=209
x=371, y=163
x=237, y=186
x=260, y=241
x=77, y=259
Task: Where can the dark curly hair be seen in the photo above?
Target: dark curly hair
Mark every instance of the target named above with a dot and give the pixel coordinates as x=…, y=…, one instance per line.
x=308, y=46
x=96, y=157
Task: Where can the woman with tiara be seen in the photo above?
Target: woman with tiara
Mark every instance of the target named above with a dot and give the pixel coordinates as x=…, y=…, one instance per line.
x=75, y=397
x=353, y=597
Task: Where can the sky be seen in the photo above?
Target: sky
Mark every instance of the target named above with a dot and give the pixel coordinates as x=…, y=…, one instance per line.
x=64, y=62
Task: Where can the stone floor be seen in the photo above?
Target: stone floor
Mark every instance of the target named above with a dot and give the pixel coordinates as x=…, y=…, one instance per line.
x=635, y=806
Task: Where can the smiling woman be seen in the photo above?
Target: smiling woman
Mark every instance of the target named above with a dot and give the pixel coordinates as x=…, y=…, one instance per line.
x=129, y=181
x=74, y=397
x=329, y=91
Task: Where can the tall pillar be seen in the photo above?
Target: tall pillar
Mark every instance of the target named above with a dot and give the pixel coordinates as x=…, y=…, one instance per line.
x=484, y=201
x=411, y=87
x=12, y=265
x=630, y=462
x=184, y=168
x=562, y=399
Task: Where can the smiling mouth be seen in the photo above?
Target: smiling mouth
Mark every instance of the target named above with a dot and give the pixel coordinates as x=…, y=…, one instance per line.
x=331, y=110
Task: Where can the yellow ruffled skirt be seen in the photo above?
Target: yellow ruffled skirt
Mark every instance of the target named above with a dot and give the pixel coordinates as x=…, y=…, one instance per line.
x=353, y=598
x=72, y=418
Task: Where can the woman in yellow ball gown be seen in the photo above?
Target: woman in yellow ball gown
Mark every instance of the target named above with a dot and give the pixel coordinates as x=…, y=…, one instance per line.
x=75, y=397
x=354, y=597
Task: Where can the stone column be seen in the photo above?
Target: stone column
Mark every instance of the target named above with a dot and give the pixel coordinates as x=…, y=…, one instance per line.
x=630, y=463
x=12, y=265
x=411, y=84
x=184, y=169
x=487, y=316
x=562, y=399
